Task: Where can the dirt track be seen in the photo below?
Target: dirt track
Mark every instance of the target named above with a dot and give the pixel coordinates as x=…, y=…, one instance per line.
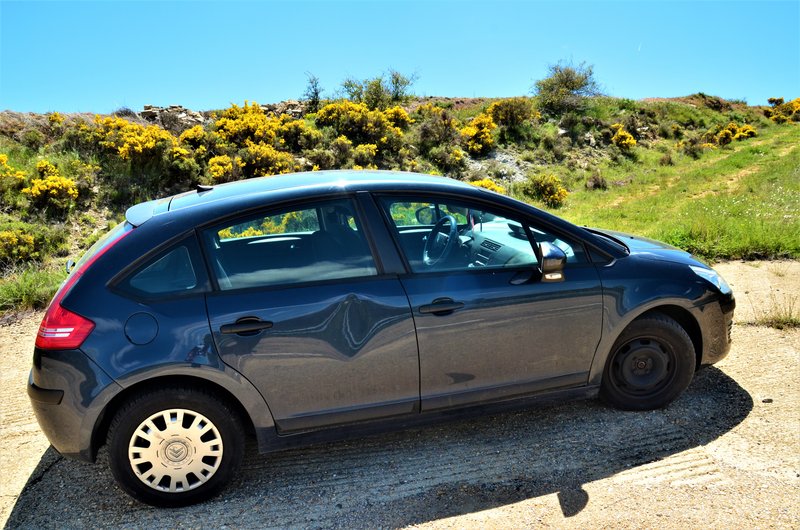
x=727, y=454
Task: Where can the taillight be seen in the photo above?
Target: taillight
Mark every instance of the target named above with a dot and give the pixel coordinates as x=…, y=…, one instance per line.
x=61, y=329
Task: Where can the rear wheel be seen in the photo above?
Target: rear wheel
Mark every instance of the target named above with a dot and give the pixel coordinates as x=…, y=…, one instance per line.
x=175, y=447
x=650, y=365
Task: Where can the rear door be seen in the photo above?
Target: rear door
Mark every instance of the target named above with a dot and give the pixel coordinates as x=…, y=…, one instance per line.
x=303, y=311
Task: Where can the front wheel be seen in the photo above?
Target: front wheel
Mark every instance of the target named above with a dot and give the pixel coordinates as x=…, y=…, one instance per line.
x=175, y=447
x=651, y=364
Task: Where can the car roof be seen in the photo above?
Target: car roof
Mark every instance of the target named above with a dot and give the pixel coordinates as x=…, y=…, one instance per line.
x=308, y=183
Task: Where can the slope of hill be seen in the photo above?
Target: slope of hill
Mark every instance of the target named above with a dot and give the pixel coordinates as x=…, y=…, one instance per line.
x=715, y=177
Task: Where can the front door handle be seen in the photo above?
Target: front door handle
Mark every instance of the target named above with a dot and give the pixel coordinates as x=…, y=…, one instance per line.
x=245, y=326
x=441, y=306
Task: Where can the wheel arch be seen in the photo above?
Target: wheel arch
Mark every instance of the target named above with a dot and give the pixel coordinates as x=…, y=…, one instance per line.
x=678, y=313
x=100, y=431
x=686, y=320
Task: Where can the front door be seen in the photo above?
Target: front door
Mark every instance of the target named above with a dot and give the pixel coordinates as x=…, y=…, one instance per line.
x=488, y=328
x=303, y=313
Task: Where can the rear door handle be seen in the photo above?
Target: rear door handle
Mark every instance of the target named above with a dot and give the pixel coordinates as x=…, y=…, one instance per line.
x=245, y=326
x=441, y=306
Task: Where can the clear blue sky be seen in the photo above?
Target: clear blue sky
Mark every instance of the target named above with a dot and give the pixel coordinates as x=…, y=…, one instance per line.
x=99, y=56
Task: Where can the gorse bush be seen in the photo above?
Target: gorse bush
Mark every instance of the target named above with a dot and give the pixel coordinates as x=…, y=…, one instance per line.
x=51, y=189
x=546, y=188
x=622, y=138
x=783, y=112
x=489, y=184
x=477, y=135
x=512, y=116
x=22, y=242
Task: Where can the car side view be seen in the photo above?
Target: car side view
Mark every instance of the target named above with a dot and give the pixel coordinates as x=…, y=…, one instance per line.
x=315, y=306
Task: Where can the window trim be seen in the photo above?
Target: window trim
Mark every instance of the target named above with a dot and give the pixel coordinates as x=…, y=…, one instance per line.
x=285, y=206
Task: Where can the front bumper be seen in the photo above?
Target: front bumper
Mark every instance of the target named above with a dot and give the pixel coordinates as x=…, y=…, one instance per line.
x=716, y=322
x=68, y=393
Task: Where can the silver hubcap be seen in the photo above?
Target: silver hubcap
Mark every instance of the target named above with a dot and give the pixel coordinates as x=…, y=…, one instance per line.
x=175, y=450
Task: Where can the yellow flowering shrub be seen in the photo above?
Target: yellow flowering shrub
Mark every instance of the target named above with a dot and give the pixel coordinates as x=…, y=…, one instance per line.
x=16, y=245
x=360, y=125
x=51, y=189
x=364, y=154
x=477, y=135
x=130, y=140
x=744, y=132
x=193, y=137
x=398, y=117
x=547, y=188
x=9, y=172
x=221, y=168
x=239, y=125
x=55, y=119
x=724, y=137
x=260, y=159
x=622, y=138
x=512, y=112
x=341, y=149
x=489, y=184
x=783, y=112
x=297, y=135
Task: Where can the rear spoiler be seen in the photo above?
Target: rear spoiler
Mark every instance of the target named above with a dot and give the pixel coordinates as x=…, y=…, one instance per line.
x=138, y=214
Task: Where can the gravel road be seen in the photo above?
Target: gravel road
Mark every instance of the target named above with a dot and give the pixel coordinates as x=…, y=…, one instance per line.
x=726, y=454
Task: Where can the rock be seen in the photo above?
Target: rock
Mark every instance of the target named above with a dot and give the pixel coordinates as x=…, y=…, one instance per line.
x=175, y=118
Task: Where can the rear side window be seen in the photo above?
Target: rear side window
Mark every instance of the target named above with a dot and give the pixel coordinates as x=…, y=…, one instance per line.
x=174, y=271
x=320, y=241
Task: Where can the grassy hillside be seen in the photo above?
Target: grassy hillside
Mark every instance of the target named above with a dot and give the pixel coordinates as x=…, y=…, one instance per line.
x=718, y=178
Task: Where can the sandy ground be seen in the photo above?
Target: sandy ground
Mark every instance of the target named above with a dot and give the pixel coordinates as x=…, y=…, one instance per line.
x=725, y=455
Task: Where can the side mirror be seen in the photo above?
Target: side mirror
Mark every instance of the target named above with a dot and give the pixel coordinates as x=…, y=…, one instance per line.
x=69, y=266
x=425, y=215
x=553, y=261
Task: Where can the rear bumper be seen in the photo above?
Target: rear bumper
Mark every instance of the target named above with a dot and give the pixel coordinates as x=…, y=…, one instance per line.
x=68, y=393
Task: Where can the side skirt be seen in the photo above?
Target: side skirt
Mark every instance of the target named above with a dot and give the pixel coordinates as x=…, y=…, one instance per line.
x=269, y=441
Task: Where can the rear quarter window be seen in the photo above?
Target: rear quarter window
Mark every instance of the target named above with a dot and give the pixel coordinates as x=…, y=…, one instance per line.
x=174, y=271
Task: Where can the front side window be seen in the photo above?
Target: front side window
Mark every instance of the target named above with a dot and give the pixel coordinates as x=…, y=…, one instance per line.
x=320, y=241
x=437, y=235
x=450, y=235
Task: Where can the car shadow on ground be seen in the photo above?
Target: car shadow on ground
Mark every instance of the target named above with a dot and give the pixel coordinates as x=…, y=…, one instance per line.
x=412, y=476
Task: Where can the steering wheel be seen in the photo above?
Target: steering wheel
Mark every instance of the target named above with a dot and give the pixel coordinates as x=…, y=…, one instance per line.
x=439, y=245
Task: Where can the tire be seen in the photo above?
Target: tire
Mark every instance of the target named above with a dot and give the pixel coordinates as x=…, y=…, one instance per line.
x=175, y=447
x=651, y=364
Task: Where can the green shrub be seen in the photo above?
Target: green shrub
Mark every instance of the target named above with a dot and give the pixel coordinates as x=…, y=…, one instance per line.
x=437, y=128
x=547, y=188
x=566, y=88
x=596, y=182
x=313, y=93
x=29, y=289
x=511, y=116
x=448, y=158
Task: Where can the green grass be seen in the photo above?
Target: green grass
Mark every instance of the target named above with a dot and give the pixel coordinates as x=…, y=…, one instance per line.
x=29, y=289
x=738, y=202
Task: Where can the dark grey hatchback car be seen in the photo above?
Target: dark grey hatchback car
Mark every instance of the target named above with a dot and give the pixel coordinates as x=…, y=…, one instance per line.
x=319, y=305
